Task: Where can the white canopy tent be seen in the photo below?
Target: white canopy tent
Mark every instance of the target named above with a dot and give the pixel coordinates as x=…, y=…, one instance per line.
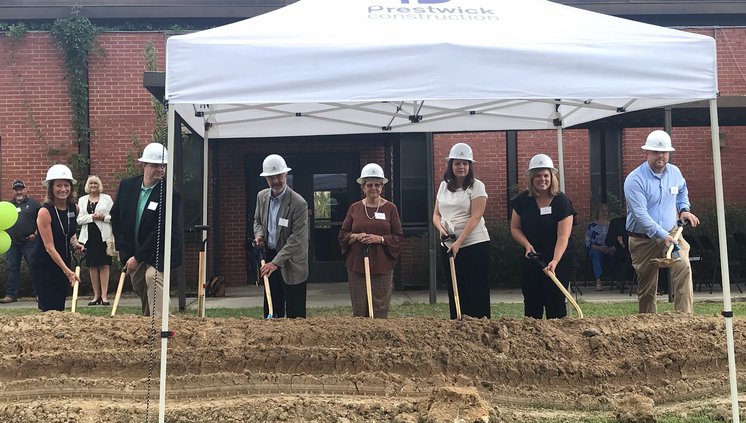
x=378, y=66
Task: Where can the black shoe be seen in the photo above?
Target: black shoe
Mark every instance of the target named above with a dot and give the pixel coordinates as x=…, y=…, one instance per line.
x=106, y=303
x=94, y=302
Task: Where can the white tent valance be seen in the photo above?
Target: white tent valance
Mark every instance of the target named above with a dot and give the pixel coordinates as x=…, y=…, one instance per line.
x=369, y=66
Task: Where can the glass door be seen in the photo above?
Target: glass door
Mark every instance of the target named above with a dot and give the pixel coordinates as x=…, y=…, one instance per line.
x=327, y=183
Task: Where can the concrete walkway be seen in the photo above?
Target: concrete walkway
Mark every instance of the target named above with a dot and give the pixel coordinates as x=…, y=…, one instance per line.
x=333, y=294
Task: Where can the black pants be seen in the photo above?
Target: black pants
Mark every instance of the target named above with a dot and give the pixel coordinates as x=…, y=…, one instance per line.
x=540, y=294
x=287, y=300
x=472, y=276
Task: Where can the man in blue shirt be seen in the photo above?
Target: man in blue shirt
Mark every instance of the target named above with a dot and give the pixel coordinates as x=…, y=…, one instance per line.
x=657, y=197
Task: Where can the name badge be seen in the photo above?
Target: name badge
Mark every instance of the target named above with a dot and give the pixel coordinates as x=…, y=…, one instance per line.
x=545, y=210
x=674, y=190
x=70, y=214
x=152, y=205
x=19, y=209
x=282, y=222
x=380, y=216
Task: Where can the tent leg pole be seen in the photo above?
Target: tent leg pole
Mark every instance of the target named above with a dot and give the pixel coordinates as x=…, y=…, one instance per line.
x=167, y=263
x=561, y=158
x=204, y=218
x=723, y=241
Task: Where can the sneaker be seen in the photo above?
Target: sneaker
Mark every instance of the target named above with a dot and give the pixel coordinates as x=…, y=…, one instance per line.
x=7, y=299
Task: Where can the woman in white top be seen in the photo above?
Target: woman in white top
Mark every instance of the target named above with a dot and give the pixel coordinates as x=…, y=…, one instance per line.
x=459, y=207
x=95, y=229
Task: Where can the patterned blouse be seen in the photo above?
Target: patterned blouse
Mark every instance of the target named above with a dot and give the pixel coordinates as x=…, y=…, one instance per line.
x=596, y=234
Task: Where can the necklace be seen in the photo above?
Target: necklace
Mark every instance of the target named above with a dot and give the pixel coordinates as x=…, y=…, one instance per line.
x=365, y=207
x=64, y=230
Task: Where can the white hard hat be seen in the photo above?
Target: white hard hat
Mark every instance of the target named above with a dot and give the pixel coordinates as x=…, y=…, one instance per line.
x=658, y=141
x=461, y=151
x=274, y=164
x=541, y=161
x=59, y=171
x=154, y=153
x=371, y=170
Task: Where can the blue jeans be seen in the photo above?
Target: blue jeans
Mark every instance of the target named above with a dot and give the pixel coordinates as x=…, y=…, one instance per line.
x=598, y=258
x=13, y=258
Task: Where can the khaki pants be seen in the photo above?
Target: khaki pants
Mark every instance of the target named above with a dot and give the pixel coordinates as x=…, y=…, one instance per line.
x=143, y=278
x=642, y=251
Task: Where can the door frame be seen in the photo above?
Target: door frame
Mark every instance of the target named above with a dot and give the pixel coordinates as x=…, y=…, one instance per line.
x=303, y=168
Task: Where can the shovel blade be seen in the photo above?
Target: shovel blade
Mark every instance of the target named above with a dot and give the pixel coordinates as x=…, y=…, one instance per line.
x=664, y=262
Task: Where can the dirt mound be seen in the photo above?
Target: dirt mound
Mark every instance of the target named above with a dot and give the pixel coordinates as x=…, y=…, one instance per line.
x=64, y=367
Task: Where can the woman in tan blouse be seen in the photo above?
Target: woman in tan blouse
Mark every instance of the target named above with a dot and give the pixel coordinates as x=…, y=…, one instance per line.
x=372, y=222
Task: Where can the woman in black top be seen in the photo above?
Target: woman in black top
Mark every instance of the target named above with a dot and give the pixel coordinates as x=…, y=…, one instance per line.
x=50, y=272
x=541, y=222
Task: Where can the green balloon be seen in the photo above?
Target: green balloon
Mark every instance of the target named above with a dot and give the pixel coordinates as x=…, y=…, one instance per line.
x=8, y=215
x=4, y=242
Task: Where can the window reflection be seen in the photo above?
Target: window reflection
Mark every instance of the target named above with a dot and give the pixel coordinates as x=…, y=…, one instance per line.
x=330, y=203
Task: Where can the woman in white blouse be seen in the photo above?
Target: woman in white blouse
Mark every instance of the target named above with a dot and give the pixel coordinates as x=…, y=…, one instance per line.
x=94, y=220
x=459, y=207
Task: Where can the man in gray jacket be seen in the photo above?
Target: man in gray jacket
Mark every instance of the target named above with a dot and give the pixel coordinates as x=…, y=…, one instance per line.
x=281, y=230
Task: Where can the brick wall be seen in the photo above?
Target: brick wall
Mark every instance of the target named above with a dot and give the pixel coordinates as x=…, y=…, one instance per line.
x=491, y=167
x=120, y=108
x=35, y=116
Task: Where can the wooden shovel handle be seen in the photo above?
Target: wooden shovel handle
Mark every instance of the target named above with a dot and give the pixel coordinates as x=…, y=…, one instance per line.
x=267, y=292
x=676, y=236
x=454, y=281
x=117, y=297
x=201, y=284
x=368, y=287
x=76, y=286
x=567, y=295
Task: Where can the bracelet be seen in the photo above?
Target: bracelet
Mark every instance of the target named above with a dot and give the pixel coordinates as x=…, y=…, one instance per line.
x=383, y=240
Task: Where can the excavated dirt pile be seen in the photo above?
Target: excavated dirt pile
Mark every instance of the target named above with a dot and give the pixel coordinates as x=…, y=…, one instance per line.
x=60, y=367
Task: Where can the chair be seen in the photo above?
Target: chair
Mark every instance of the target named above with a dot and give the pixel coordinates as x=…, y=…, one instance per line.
x=739, y=239
x=712, y=256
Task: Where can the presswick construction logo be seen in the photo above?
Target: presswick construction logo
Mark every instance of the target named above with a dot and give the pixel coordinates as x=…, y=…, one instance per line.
x=439, y=13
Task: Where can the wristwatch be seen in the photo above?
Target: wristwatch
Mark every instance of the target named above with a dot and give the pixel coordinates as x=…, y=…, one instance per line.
x=683, y=210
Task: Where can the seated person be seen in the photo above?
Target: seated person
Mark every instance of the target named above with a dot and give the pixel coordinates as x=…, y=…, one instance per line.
x=617, y=238
x=595, y=241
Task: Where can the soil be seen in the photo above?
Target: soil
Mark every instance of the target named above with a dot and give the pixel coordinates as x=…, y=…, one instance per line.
x=63, y=367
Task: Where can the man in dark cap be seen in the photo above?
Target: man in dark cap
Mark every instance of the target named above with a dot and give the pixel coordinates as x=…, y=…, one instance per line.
x=22, y=236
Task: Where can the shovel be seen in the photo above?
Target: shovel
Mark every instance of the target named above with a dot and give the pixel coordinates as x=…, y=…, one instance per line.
x=451, y=259
x=202, y=264
x=368, y=288
x=667, y=261
x=556, y=281
x=76, y=285
x=267, y=291
x=120, y=285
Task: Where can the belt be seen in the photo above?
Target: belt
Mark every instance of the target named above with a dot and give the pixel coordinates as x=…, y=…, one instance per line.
x=636, y=235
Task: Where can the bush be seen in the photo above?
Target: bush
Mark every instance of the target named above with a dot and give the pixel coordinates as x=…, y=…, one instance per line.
x=505, y=254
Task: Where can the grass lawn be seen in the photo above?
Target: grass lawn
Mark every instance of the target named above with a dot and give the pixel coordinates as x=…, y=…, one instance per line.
x=438, y=311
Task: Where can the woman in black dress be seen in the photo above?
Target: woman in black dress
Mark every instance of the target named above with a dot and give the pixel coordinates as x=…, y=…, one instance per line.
x=50, y=271
x=95, y=229
x=542, y=221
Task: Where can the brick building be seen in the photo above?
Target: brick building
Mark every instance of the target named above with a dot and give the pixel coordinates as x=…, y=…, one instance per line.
x=36, y=131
